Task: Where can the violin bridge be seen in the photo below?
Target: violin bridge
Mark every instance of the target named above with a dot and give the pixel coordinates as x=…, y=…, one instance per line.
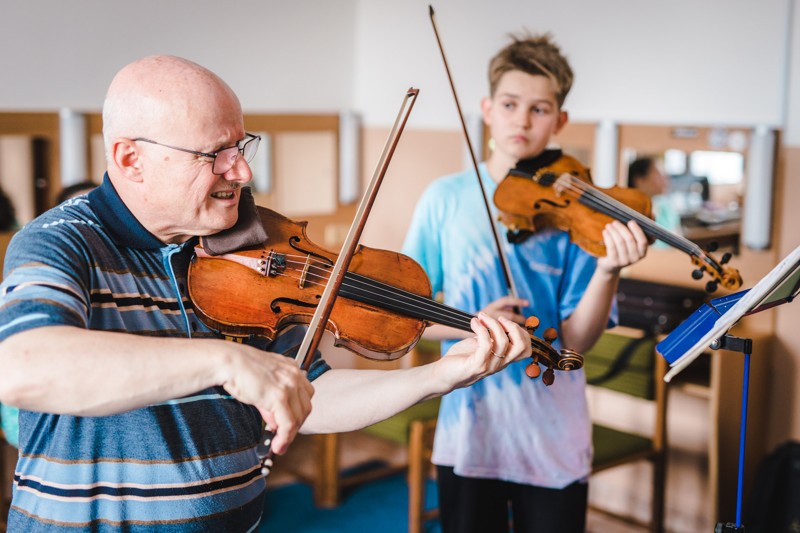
x=304, y=273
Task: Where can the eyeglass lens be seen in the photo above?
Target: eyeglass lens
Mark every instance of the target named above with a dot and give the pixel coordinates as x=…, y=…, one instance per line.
x=227, y=158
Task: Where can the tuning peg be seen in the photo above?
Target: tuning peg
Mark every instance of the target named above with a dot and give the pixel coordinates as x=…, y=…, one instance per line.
x=548, y=377
x=697, y=273
x=533, y=370
x=725, y=258
x=550, y=334
x=712, y=246
x=711, y=286
x=531, y=323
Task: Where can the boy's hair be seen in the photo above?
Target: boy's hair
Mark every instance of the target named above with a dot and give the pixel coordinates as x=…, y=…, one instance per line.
x=535, y=55
x=639, y=169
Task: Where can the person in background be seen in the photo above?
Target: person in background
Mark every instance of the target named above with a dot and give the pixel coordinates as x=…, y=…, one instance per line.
x=76, y=189
x=134, y=415
x=645, y=174
x=8, y=216
x=509, y=442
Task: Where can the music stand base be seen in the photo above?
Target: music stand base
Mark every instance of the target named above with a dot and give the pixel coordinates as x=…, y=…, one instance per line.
x=728, y=528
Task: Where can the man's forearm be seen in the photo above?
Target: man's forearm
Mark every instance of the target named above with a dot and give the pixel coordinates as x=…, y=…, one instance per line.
x=67, y=370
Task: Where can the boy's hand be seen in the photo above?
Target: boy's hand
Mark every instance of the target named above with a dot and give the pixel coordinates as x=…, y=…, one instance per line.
x=506, y=307
x=625, y=245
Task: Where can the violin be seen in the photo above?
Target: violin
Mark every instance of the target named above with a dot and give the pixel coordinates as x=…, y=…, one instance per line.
x=383, y=306
x=555, y=190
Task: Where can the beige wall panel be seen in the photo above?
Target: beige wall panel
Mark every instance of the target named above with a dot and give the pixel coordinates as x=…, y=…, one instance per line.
x=421, y=157
x=305, y=173
x=16, y=174
x=97, y=158
x=784, y=402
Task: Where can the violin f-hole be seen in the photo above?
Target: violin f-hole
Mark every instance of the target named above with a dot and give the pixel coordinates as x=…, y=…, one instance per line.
x=538, y=203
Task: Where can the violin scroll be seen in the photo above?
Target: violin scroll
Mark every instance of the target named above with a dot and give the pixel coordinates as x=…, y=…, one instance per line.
x=544, y=353
x=729, y=277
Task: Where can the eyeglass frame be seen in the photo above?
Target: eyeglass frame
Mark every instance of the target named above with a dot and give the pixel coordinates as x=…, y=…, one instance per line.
x=249, y=137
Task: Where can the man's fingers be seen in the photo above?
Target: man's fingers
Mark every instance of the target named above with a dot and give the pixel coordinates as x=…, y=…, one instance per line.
x=519, y=339
x=499, y=337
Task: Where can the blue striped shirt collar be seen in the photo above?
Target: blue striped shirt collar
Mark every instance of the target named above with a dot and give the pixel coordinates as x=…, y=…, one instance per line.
x=122, y=226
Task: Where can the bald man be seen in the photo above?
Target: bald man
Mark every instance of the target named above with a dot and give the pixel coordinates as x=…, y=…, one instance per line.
x=133, y=414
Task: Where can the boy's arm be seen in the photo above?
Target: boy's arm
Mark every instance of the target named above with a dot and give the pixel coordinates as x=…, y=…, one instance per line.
x=625, y=245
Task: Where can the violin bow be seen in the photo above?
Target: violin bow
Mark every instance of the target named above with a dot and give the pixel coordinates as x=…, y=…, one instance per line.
x=325, y=306
x=316, y=327
x=512, y=289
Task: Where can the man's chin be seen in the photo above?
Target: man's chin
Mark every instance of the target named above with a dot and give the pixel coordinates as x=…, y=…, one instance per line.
x=216, y=227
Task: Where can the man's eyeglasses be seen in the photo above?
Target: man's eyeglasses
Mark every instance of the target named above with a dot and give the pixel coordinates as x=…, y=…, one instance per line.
x=225, y=158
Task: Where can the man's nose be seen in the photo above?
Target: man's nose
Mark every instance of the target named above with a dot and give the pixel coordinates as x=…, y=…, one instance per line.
x=240, y=171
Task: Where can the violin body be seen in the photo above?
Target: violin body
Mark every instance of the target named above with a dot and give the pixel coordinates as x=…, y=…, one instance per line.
x=531, y=202
x=265, y=289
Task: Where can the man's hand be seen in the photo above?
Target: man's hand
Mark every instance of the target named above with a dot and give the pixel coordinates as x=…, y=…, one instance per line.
x=496, y=344
x=275, y=385
x=625, y=245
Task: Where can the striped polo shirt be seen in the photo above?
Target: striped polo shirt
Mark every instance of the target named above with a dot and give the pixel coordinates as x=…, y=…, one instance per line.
x=184, y=465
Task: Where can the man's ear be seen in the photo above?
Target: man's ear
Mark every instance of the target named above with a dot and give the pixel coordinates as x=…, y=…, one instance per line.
x=126, y=157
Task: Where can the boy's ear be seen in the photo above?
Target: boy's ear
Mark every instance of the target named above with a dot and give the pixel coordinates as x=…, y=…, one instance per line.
x=126, y=158
x=563, y=118
x=486, y=108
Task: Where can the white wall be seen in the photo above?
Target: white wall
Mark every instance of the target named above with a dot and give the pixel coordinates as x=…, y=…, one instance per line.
x=715, y=62
x=277, y=55
x=792, y=132
x=708, y=62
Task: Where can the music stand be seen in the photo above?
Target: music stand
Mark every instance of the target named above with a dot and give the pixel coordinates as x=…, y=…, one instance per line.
x=708, y=327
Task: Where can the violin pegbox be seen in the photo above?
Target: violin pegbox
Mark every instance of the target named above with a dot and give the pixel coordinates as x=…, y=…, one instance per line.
x=544, y=353
x=533, y=370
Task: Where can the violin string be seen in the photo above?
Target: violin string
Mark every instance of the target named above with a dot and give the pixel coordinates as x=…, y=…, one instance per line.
x=458, y=319
x=613, y=207
x=608, y=205
x=384, y=295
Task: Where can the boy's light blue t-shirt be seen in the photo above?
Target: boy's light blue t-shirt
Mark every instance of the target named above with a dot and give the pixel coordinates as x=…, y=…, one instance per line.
x=506, y=426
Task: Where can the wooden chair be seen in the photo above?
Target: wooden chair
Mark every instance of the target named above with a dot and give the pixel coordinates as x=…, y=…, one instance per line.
x=413, y=428
x=630, y=365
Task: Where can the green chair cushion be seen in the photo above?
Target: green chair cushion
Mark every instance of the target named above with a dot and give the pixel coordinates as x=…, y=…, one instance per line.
x=611, y=444
x=396, y=428
x=636, y=378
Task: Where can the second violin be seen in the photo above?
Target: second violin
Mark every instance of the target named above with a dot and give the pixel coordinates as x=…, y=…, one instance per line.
x=555, y=190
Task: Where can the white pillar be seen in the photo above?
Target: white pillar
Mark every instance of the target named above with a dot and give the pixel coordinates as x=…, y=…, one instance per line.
x=604, y=167
x=73, y=149
x=475, y=125
x=757, y=220
x=349, y=139
x=261, y=165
